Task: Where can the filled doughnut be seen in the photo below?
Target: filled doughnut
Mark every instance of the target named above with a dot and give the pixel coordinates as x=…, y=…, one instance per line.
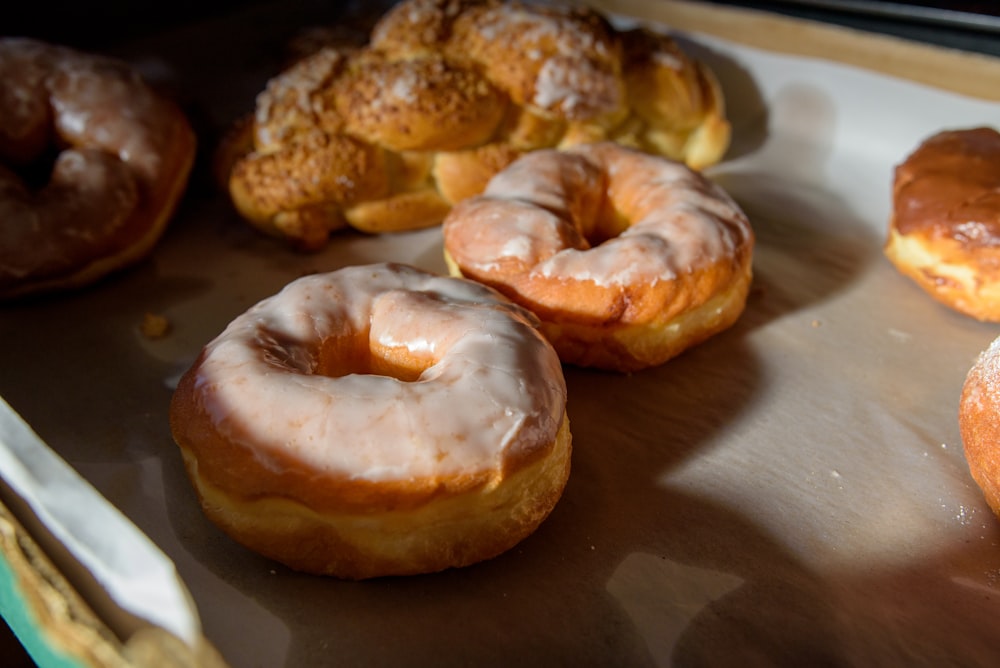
x=388, y=136
x=376, y=420
x=93, y=162
x=944, y=230
x=979, y=407
x=628, y=259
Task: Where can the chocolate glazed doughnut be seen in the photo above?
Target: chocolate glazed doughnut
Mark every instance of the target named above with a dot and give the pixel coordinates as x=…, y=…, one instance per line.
x=120, y=156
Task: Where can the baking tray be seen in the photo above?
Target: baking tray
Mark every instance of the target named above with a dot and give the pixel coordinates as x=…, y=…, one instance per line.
x=792, y=491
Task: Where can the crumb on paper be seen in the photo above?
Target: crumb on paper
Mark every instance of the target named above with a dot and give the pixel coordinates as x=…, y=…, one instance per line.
x=816, y=323
x=899, y=335
x=154, y=326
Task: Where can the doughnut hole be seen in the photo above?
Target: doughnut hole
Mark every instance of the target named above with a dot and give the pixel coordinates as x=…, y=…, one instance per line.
x=21, y=143
x=85, y=203
x=39, y=171
x=405, y=338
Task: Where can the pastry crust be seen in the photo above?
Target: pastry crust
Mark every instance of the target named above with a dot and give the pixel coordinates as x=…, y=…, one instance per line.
x=977, y=418
x=123, y=156
x=944, y=232
x=470, y=85
x=627, y=258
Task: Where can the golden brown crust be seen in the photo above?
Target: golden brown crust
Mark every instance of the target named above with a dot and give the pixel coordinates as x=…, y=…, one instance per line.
x=344, y=171
x=116, y=183
x=979, y=407
x=345, y=488
x=472, y=83
x=678, y=101
x=225, y=461
x=586, y=239
x=944, y=232
x=412, y=210
x=562, y=61
x=417, y=105
x=452, y=530
x=463, y=174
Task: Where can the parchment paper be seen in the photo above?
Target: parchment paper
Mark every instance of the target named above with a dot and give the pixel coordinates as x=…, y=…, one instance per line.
x=792, y=491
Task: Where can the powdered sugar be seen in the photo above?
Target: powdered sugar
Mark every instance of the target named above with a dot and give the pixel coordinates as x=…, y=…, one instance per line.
x=986, y=371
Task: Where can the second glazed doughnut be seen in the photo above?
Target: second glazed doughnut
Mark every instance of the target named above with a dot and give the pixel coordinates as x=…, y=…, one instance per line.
x=627, y=258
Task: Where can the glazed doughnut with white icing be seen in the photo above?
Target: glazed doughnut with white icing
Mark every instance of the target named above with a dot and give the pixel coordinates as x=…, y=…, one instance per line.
x=92, y=164
x=376, y=420
x=944, y=230
x=628, y=259
x=388, y=136
x=979, y=408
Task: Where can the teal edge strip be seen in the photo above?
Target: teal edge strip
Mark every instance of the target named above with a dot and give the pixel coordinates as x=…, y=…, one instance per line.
x=21, y=621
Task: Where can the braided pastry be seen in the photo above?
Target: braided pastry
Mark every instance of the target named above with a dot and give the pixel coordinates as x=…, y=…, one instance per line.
x=446, y=93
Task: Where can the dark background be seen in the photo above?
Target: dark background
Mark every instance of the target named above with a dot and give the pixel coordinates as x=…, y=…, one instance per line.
x=95, y=24
x=972, y=26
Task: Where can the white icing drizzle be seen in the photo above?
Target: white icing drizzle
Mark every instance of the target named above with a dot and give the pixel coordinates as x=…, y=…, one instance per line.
x=495, y=385
x=95, y=101
x=679, y=221
x=559, y=84
x=290, y=99
x=82, y=95
x=663, y=58
x=568, y=57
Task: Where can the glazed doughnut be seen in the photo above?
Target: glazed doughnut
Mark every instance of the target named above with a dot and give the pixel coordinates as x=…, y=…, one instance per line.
x=376, y=420
x=944, y=231
x=628, y=259
x=94, y=162
x=445, y=93
x=977, y=418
